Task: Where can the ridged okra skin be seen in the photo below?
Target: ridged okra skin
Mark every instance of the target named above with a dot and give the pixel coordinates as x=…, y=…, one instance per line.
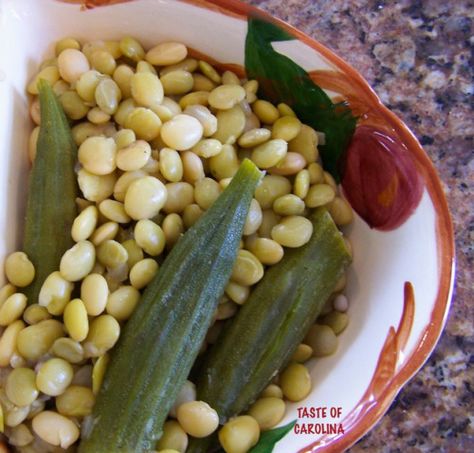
x=261, y=338
x=52, y=192
x=161, y=341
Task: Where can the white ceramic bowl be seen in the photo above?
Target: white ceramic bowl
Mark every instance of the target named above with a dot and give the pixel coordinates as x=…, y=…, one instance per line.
x=400, y=282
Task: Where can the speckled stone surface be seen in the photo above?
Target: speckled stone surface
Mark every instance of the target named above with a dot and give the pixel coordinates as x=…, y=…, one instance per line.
x=418, y=57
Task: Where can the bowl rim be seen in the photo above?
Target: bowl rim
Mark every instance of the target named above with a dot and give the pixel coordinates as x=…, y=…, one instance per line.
x=443, y=223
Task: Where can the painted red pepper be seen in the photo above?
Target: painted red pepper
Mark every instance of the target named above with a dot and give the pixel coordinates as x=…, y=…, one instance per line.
x=380, y=179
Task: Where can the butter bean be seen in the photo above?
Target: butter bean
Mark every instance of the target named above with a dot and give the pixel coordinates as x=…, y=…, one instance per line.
x=240, y=434
x=269, y=220
x=19, y=269
x=76, y=401
x=12, y=309
x=166, y=53
x=107, y=96
x=124, y=137
x=197, y=418
x=254, y=218
x=56, y=292
x=301, y=184
x=55, y=429
x=272, y=391
x=96, y=188
x=266, y=112
x=68, y=349
x=247, y=269
x=103, y=61
x=114, y=210
x=75, y=320
x=230, y=125
x=131, y=48
x=87, y=84
x=171, y=166
x=208, y=148
x=8, y=341
x=254, y=137
x=147, y=89
x=288, y=205
x=143, y=272
x=72, y=63
x=173, y=228
x=302, y=354
x=209, y=71
x=98, y=372
x=73, y=105
x=340, y=211
x=319, y=195
x=134, y=156
x=268, y=412
x=270, y=153
x=112, y=254
x=225, y=164
x=77, y=262
x=292, y=231
x=224, y=97
x=21, y=386
x=34, y=313
x=124, y=109
x=193, y=169
x=36, y=340
x=104, y=332
x=96, y=116
x=122, y=77
x=144, y=122
x=150, y=237
x=84, y=224
x=266, y=250
x=174, y=437
x=291, y=164
x=134, y=252
x=305, y=143
x=285, y=109
x=54, y=376
x=322, y=340
x=145, y=197
x=188, y=64
x=206, y=192
x=336, y=320
x=50, y=74
x=230, y=78
x=182, y=132
x=66, y=43
x=123, y=183
x=202, y=83
x=177, y=82
x=122, y=302
x=194, y=98
x=94, y=294
x=271, y=188
x=237, y=293
x=105, y=232
x=295, y=382
x=191, y=215
x=286, y=128
x=205, y=117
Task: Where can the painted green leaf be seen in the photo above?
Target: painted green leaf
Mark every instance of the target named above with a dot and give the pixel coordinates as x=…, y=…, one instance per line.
x=282, y=80
x=268, y=439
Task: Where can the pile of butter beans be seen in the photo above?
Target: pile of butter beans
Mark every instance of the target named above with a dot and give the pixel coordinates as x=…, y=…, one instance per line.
x=160, y=135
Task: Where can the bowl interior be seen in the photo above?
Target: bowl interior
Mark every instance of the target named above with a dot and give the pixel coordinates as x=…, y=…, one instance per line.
x=383, y=261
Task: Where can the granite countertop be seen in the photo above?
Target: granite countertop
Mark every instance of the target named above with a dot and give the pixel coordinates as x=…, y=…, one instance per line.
x=417, y=56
